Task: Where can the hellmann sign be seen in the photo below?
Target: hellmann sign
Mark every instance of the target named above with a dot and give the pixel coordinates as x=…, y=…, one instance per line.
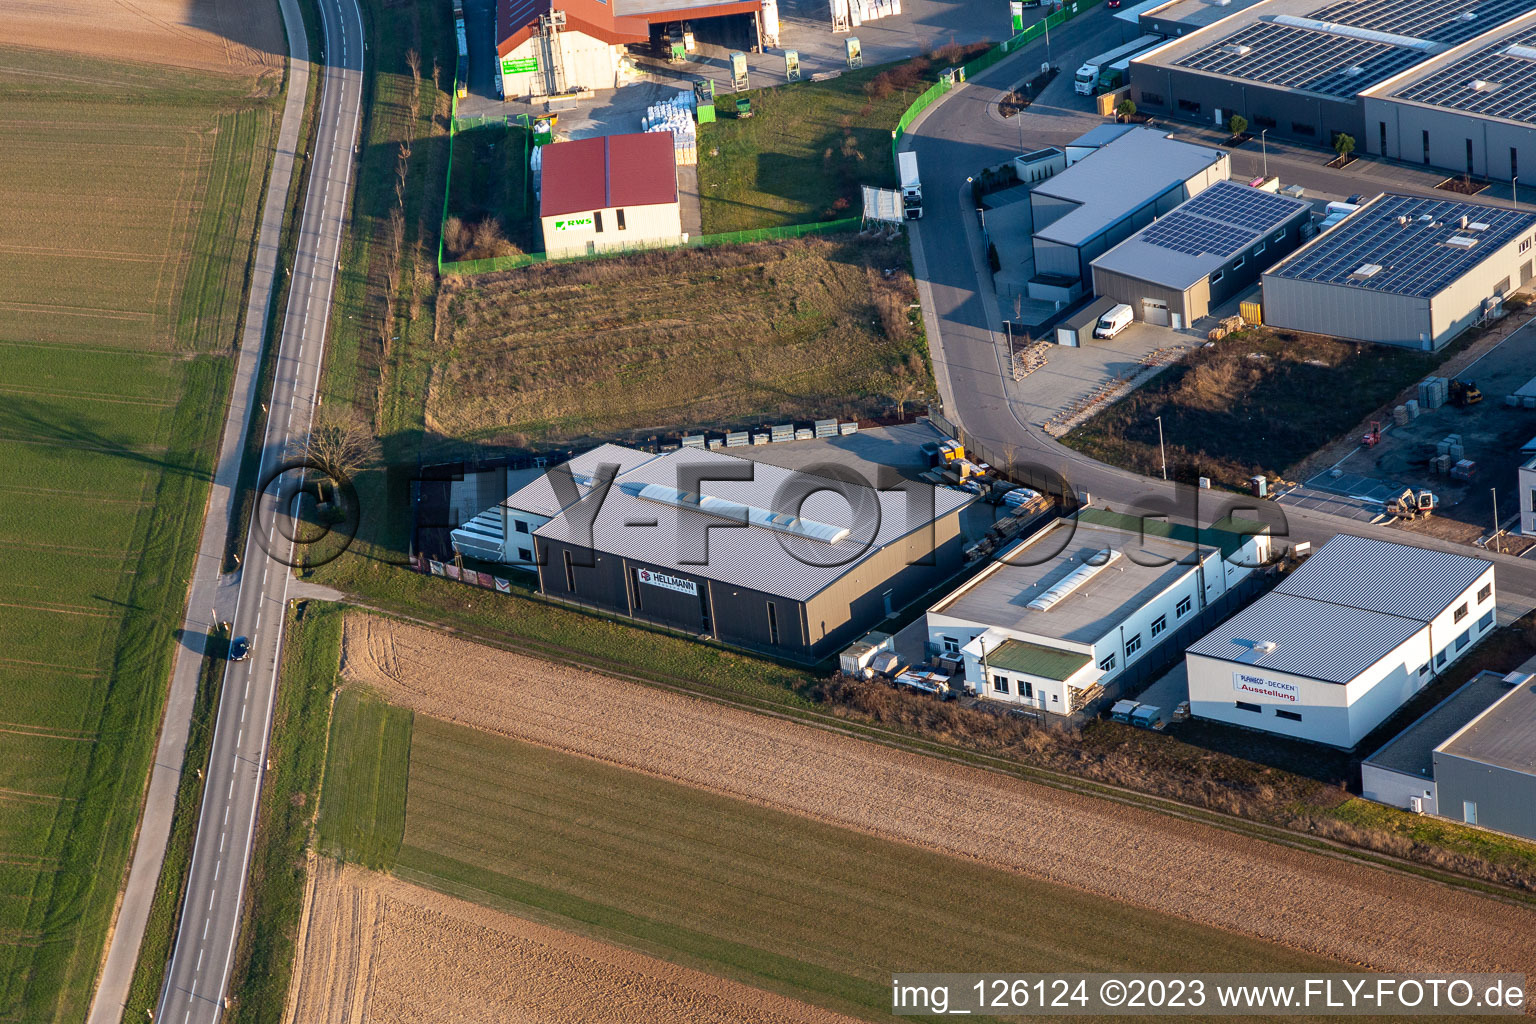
x=1258, y=686
x=661, y=579
x=572, y=223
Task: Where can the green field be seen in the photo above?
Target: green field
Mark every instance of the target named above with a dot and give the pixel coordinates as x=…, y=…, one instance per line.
x=131, y=194
x=776, y=900
x=364, y=809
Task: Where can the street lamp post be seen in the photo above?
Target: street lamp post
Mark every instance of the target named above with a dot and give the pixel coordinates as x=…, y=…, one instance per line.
x=1264, y=145
x=1498, y=544
x=1163, y=452
x=1514, y=190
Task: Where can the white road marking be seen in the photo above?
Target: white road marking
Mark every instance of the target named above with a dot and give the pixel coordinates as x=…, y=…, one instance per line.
x=206, y=921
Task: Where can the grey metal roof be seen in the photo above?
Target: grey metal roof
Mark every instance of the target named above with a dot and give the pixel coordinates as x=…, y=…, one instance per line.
x=1495, y=79
x=1504, y=735
x=1197, y=13
x=1375, y=250
x=1202, y=234
x=1120, y=178
x=539, y=498
x=1411, y=751
x=1103, y=135
x=1332, y=643
x=755, y=557
x=1392, y=579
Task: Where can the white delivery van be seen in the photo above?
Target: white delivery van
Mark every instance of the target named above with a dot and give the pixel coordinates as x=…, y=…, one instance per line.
x=1113, y=322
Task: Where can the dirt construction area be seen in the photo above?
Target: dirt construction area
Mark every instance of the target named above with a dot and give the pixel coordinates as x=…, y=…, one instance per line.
x=375, y=948
x=244, y=36
x=1347, y=911
x=1492, y=433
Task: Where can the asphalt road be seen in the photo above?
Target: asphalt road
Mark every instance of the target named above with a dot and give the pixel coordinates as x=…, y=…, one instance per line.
x=963, y=133
x=205, y=943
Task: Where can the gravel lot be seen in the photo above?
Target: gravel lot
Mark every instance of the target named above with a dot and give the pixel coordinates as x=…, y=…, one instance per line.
x=1347, y=911
x=376, y=948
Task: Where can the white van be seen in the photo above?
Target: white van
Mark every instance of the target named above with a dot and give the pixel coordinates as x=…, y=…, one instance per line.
x=1112, y=323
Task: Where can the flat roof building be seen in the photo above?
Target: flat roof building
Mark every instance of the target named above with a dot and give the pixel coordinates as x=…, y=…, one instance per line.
x=1342, y=642
x=1072, y=607
x=1201, y=253
x=1124, y=183
x=1485, y=774
x=1173, y=18
x=1403, y=270
x=1299, y=68
x=750, y=553
x=609, y=192
x=1402, y=773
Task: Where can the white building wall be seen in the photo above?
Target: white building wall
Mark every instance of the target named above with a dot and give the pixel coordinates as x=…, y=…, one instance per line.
x=588, y=63
x=1396, y=789
x=1526, y=480
x=1446, y=630
x=1338, y=714
x=571, y=234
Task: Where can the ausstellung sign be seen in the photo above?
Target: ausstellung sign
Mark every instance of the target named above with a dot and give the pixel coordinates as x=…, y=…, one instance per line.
x=661, y=579
x=1261, y=687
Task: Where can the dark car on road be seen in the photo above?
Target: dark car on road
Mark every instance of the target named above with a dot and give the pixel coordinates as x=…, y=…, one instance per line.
x=239, y=648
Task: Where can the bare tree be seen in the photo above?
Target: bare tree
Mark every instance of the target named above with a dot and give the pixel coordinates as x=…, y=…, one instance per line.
x=901, y=393
x=339, y=443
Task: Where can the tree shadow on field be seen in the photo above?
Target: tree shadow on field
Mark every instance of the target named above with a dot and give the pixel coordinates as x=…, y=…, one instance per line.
x=31, y=421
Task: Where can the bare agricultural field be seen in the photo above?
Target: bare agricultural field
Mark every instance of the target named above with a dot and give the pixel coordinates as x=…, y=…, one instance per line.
x=242, y=37
x=1345, y=911
x=805, y=328
x=375, y=948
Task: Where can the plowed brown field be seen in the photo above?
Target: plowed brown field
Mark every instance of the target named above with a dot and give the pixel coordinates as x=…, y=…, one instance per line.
x=372, y=948
x=1340, y=909
x=244, y=36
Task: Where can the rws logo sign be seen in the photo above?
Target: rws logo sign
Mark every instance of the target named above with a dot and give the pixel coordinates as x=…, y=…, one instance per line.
x=573, y=223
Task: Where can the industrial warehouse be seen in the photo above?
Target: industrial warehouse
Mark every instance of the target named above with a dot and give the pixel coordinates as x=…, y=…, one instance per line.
x=1469, y=109
x=1404, y=271
x=1068, y=610
x=1116, y=187
x=742, y=552
x=1174, y=270
x=544, y=51
x=609, y=192
x=1410, y=79
x=1342, y=642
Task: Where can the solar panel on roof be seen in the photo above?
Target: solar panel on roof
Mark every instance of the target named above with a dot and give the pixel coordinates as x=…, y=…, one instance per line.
x=1301, y=58
x=1441, y=21
x=1497, y=80
x=1410, y=240
x=1221, y=221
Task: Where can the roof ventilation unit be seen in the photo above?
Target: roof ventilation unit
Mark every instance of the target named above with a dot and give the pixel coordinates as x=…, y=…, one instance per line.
x=1092, y=566
x=1482, y=85
x=1367, y=270
x=1237, y=49
x=733, y=511
x=1403, y=221
x=1477, y=225
x=1523, y=52
x=1461, y=241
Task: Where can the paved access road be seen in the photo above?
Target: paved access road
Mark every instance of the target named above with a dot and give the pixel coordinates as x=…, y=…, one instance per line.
x=205, y=944
x=962, y=133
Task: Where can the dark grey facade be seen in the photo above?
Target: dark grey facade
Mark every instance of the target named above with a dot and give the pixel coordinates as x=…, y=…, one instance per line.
x=1486, y=795
x=1212, y=100
x=804, y=630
